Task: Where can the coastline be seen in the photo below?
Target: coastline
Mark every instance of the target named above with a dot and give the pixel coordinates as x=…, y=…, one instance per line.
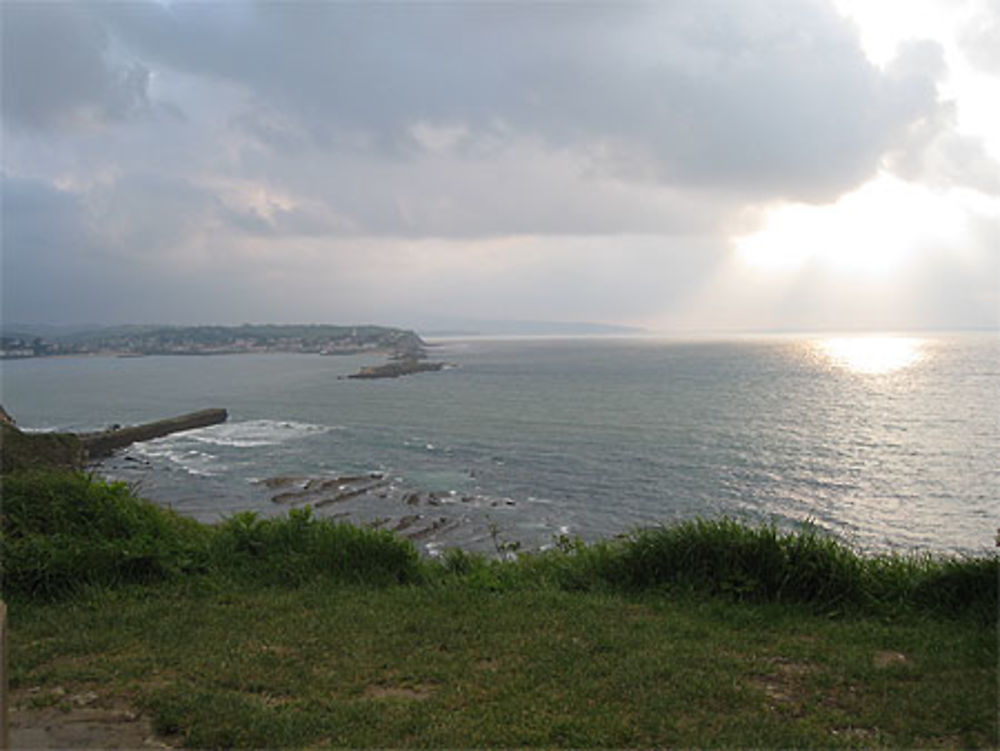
x=505, y=425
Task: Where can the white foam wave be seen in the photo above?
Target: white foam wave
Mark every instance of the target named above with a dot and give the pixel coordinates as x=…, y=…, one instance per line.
x=191, y=461
x=252, y=433
x=192, y=450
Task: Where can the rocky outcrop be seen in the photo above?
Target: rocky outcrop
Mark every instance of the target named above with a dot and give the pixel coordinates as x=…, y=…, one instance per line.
x=320, y=492
x=103, y=443
x=379, y=500
x=397, y=368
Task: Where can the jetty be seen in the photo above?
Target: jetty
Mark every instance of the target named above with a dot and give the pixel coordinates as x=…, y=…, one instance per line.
x=102, y=443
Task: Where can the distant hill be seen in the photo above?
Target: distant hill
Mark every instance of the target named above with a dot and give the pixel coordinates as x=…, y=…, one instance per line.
x=13, y=329
x=530, y=328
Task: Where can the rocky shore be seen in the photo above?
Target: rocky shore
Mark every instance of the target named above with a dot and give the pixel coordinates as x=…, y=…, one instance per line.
x=377, y=500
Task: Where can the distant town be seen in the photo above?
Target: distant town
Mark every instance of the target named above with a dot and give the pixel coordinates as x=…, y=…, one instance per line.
x=138, y=341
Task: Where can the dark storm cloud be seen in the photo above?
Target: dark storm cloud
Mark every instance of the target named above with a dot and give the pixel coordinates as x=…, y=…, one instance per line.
x=773, y=99
x=56, y=71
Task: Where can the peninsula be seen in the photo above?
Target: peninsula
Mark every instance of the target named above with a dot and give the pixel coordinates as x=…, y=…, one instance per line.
x=135, y=341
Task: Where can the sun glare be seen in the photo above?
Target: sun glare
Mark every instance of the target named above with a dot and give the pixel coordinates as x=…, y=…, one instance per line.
x=874, y=231
x=872, y=355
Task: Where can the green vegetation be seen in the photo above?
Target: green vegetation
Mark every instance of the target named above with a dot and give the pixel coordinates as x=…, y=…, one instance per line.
x=303, y=632
x=62, y=531
x=38, y=450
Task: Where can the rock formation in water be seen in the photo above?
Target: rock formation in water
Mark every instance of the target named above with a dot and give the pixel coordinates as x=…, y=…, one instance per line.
x=397, y=368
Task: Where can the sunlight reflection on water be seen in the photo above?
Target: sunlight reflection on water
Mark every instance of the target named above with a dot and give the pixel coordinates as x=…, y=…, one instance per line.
x=873, y=355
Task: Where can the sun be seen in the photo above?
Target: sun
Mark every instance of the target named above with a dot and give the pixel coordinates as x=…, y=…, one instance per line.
x=874, y=231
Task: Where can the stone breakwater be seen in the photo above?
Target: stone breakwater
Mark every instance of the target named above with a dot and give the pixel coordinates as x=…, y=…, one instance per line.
x=73, y=450
x=104, y=442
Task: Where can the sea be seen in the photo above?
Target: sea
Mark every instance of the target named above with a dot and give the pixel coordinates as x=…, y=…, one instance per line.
x=888, y=442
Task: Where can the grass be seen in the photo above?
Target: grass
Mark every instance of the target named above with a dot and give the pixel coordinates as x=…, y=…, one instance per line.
x=350, y=665
x=62, y=531
x=20, y=450
x=297, y=632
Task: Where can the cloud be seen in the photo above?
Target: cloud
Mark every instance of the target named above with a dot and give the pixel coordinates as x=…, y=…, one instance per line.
x=948, y=159
x=980, y=39
x=255, y=160
x=46, y=238
x=58, y=70
x=774, y=100
x=39, y=216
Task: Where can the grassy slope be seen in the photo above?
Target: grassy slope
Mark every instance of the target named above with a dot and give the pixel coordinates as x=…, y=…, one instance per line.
x=298, y=633
x=423, y=666
x=25, y=450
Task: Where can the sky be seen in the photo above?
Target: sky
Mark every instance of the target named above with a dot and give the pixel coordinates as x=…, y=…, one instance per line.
x=679, y=165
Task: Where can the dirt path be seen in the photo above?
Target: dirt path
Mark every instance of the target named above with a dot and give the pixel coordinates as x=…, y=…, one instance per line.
x=95, y=724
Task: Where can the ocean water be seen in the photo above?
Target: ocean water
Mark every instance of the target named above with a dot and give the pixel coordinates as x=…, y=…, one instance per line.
x=888, y=442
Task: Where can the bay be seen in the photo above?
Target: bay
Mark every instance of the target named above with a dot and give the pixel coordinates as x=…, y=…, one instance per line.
x=889, y=442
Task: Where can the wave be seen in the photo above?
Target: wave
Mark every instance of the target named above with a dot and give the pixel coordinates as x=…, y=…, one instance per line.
x=193, y=462
x=191, y=450
x=253, y=433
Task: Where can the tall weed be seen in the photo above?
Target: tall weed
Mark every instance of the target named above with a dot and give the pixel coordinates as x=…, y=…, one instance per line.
x=299, y=548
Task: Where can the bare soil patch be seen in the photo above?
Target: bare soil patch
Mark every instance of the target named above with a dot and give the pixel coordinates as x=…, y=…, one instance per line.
x=111, y=725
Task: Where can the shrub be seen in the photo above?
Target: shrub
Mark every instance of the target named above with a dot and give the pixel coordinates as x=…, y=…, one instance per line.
x=299, y=548
x=61, y=530
x=64, y=530
x=961, y=585
x=724, y=557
